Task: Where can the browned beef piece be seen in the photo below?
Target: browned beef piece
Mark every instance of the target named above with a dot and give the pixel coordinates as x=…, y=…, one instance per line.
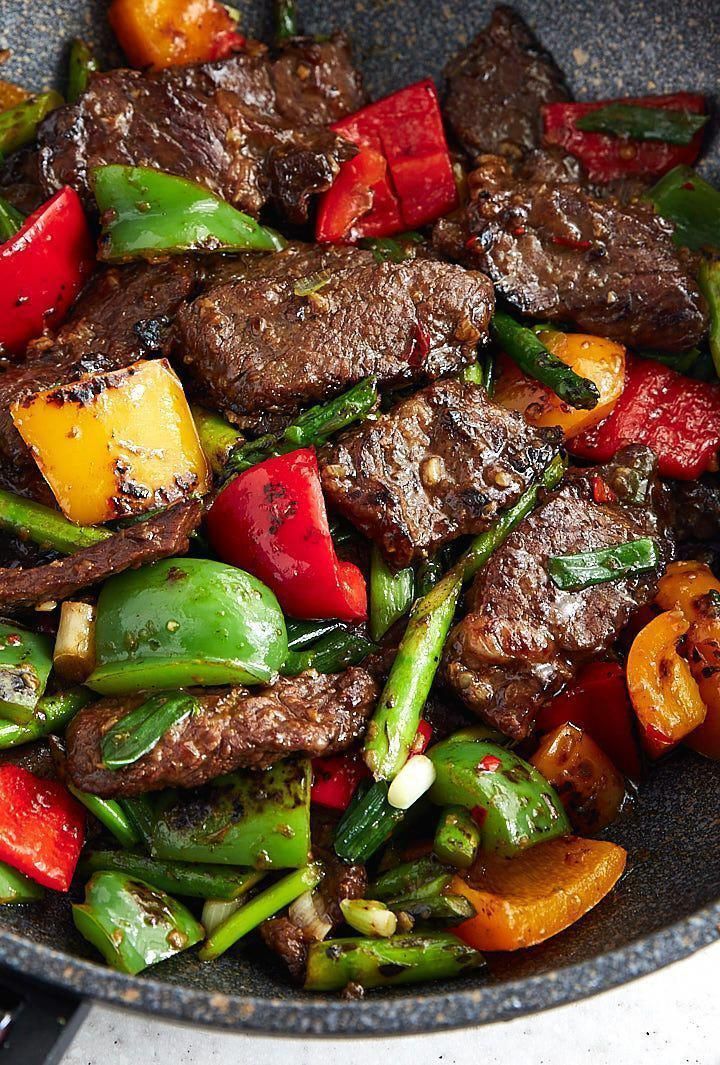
x=236, y=125
x=342, y=881
x=160, y=537
x=20, y=180
x=497, y=85
x=523, y=637
x=119, y=318
x=440, y=465
x=695, y=508
x=311, y=714
x=556, y=252
x=259, y=349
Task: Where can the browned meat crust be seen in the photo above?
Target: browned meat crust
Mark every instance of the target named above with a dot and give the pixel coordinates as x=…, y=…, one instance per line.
x=147, y=541
x=523, y=637
x=259, y=349
x=245, y=127
x=438, y=466
x=311, y=714
x=497, y=85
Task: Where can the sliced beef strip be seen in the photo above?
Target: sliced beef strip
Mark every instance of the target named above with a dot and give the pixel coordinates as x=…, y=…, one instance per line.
x=235, y=125
x=259, y=349
x=556, y=252
x=695, y=508
x=439, y=465
x=163, y=536
x=497, y=85
x=20, y=180
x=120, y=317
x=523, y=637
x=311, y=714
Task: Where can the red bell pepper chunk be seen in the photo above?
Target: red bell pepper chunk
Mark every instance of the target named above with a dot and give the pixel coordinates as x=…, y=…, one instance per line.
x=677, y=417
x=406, y=131
x=42, y=269
x=335, y=779
x=598, y=702
x=422, y=738
x=607, y=158
x=42, y=828
x=226, y=43
x=271, y=520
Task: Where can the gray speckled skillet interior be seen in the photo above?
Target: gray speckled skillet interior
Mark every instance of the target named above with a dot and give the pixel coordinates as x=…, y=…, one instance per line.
x=669, y=903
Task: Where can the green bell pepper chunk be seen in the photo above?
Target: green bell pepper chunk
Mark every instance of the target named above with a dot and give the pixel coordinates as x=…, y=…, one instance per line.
x=18, y=124
x=184, y=622
x=25, y=664
x=132, y=924
x=148, y=213
x=81, y=64
x=515, y=805
x=16, y=887
x=253, y=819
x=51, y=715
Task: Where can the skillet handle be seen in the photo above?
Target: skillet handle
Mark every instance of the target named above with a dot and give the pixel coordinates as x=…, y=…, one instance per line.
x=37, y=1024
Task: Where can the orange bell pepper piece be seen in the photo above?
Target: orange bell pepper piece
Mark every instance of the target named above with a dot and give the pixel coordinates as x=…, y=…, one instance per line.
x=590, y=787
x=683, y=587
x=164, y=33
x=525, y=900
x=662, y=688
x=595, y=358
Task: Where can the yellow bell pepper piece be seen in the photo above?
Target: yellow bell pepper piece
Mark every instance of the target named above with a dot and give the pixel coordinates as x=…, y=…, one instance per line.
x=115, y=444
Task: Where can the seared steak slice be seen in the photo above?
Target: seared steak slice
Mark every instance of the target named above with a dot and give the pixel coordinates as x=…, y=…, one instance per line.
x=160, y=537
x=523, y=637
x=438, y=466
x=120, y=317
x=224, y=124
x=260, y=349
x=695, y=508
x=497, y=85
x=556, y=252
x=20, y=180
x=311, y=714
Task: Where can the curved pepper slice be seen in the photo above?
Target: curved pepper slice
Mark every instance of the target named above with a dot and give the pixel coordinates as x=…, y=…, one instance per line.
x=42, y=828
x=271, y=521
x=42, y=269
x=677, y=417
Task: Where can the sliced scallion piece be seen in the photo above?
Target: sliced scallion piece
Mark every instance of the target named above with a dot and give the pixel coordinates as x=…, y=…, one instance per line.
x=139, y=731
x=643, y=123
x=572, y=573
x=710, y=284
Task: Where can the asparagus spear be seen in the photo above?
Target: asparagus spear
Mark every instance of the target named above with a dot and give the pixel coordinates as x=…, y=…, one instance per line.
x=264, y=905
x=51, y=714
x=534, y=359
x=410, y=877
x=401, y=959
x=311, y=429
x=391, y=594
x=10, y=220
x=109, y=813
x=18, y=124
x=45, y=526
x=81, y=64
x=395, y=721
x=457, y=837
x=435, y=905
x=189, y=879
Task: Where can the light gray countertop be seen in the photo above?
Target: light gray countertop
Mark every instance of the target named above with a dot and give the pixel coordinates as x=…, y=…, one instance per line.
x=669, y=1018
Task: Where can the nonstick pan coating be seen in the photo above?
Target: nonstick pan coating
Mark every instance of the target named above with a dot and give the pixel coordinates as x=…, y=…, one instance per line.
x=668, y=905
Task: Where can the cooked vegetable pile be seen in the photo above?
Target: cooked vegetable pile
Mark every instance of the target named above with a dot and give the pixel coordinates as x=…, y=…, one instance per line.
x=359, y=494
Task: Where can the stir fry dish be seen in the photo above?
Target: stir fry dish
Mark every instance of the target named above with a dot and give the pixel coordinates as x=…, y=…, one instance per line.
x=360, y=496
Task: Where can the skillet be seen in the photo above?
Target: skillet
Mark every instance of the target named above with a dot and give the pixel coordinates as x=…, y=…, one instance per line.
x=669, y=903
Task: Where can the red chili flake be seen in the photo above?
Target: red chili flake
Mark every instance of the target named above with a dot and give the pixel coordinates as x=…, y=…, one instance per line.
x=422, y=739
x=489, y=764
x=473, y=242
x=688, y=185
x=602, y=492
x=419, y=346
x=13, y=639
x=570, y=242
x=519, y=231
x=659, y=738
x=478, y=814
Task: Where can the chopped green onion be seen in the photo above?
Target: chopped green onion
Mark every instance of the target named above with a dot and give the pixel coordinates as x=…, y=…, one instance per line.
x=190, y=879
x=331, y=654
x=369, y=917
x=109, y=813
x=286, y=20
x=710, y=285
x=367, y=823
x=142, y=729
x=217, y=437
x=457, y=837
x=81, y=65
x=393, y=249
x=643, y=123
x=16, y=887
x=391, y=594
x=11, y=220
x=308, y=286
x=18, y=124
x=572, y=573
x=302, y=634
